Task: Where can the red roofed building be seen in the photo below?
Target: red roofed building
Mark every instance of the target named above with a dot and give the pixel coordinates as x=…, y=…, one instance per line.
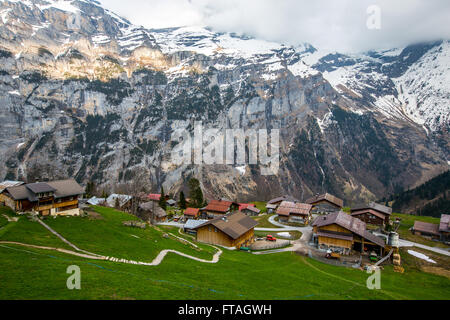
x=156, y=197
x=217, y=208
x=191, y=213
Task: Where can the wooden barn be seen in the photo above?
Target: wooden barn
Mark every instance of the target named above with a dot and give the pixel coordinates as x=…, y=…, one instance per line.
x=289, y=211
x=426, y=229
x=372, y=213
x=45, y=198
x=230, y=230
x=344, y=233
x=325, y=203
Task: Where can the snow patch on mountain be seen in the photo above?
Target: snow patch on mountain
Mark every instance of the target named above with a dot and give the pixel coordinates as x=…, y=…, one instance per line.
x=425, y=88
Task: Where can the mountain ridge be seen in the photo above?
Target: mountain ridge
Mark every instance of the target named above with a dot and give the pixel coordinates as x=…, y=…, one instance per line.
x=91, y=95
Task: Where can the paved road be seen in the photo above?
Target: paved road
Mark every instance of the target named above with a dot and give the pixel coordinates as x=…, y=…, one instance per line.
x=406, y=243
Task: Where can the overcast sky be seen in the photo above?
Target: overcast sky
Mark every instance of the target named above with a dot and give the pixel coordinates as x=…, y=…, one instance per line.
x=329, y=24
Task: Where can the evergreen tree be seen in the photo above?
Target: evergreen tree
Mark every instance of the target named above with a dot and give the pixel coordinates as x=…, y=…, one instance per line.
x=182, y=202
x=162, y=199
x=196, y=194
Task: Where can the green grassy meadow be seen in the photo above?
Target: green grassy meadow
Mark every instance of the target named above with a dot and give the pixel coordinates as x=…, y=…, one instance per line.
x=27, y=273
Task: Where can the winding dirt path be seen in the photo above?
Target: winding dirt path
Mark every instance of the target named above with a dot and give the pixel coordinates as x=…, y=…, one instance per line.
x=159, y=258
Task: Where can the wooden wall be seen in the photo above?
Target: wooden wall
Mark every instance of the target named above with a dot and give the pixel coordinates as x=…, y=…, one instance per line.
x=335, y=242
x=207, y=234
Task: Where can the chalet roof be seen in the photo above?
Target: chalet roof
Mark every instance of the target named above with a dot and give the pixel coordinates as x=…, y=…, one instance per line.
x=283, y=198
x=61, y=188
x=171, y=202
x=426, y=227
x=375, y=206
x=233, y=224
x=287, y=208
x=243, y=206
x=328, y=197
x=444, y=225
x=21, y=193
x=123, y=199
x=40, y=187
x=252, y=208
x=191, y=211
x=192, y=224
x=66, y=188
x=150, y=206
x=219, y=206
x=271, y=206
x=347, y=222
x=372, y=211
x=96, y=201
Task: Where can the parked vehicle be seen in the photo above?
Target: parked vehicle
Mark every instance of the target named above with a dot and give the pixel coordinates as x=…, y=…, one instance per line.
x=269, y=237
x=245, y=249
x=373, y=256
x=332, y=255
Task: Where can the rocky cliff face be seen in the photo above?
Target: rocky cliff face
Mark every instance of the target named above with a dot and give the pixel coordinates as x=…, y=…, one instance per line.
x=87, y=94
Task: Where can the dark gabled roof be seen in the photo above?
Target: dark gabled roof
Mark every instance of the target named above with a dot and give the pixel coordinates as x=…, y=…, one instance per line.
x=444, y=224
x=21, y=193
x=375, y=206
x=233, y=224
x=66, y=188
x=154, y=208
x=40, y=187
x=426, y=227
x=348, y=222
x=328, y=197
x=283, y=198
x=61, y=189
x=252, y=208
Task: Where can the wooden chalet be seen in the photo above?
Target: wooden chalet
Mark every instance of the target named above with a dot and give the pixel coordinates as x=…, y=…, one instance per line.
x=152, y=212
x=230, y=230
x=277, y=201
x=325, y=203
x=426, y=229
x=372, y=213
x=191, y=213
x=44, y=198
x=218, y=208
x=250, y=210
x=342, y=232
x=289, y=211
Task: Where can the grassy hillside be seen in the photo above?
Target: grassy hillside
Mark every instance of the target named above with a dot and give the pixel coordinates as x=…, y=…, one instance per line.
x=28, y=273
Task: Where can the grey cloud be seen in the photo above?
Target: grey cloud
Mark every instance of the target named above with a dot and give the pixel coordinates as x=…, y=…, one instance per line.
x=328, y=24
